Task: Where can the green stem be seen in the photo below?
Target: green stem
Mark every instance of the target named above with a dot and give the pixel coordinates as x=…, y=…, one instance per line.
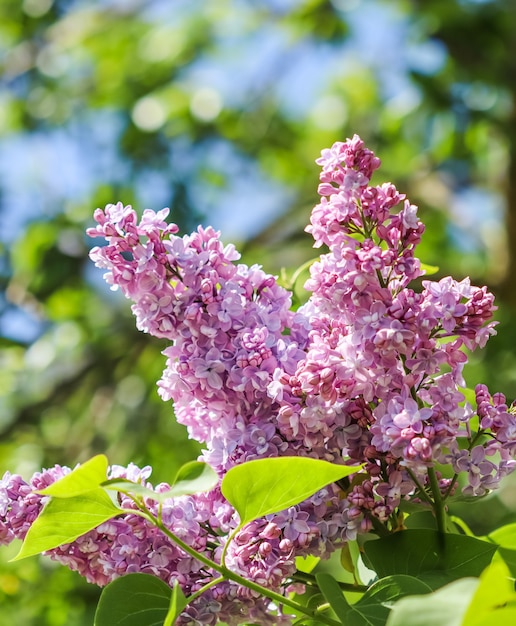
x=451, y=486
x=462, y=525
x=212, y=583
x=227, y=574
x=309, y=579
x=421, y=489
x=300, y=270
x=479, y=434
x=439, y=510
x=226, y=545
x=472, y=442
x=380, y=279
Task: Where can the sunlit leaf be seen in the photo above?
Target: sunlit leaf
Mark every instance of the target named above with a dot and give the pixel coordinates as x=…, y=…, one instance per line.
x=63, y=520
x=505, y=538
x=178, y=602
x=257, y=488
x=429, y=269
x=84, y=478
x=307, y=563
x=193, y=477
x=496, y=589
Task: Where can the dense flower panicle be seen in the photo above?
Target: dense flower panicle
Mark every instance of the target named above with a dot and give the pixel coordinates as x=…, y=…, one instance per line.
x=226, y=320
x=368, y=371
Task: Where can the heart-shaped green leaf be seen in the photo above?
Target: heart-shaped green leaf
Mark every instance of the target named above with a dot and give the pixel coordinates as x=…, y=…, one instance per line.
x=257, y=488
x=373, y=608
x=134, y=600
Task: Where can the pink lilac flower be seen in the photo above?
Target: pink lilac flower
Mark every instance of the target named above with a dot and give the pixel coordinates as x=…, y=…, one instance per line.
x=368, y=371
x=356, y=351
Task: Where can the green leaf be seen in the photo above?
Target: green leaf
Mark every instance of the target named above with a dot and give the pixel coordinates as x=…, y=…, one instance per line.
x=374, y=607
x=346, y=558
x=63, y=520
x=124, y=485
x=429, y=269
x=496, y=589
x=460, y=523
x=432, y=557
x=193, y=477
x=333, y=593
x=307, y=563
x=502, y=617
x=445, y=607
x=421, y=519
x=84, y=478
x=505, y=538
x=134, y=600
x=178, y=602
x=257, y=488
x=426, y=519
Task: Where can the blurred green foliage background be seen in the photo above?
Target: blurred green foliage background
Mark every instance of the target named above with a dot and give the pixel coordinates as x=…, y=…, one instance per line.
x=217, y=109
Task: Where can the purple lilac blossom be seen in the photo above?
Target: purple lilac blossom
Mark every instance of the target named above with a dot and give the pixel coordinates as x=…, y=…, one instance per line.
x=368, y=371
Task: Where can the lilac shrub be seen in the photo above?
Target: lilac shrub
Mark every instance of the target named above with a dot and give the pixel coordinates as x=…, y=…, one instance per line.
x=368, y=371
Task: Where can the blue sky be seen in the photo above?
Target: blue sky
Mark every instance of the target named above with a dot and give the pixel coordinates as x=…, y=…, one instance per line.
x=43, y=172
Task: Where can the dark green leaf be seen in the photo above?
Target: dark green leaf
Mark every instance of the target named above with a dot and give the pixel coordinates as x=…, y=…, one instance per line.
x=421, y=519
x=389, y=589
x=374, y=607
x=333, y=594
x=134, y=600
x=445, y=607
x=434, y=558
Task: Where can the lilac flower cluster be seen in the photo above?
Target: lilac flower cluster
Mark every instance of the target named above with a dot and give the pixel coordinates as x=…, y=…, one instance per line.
x=368, y=371
x=129, y=544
